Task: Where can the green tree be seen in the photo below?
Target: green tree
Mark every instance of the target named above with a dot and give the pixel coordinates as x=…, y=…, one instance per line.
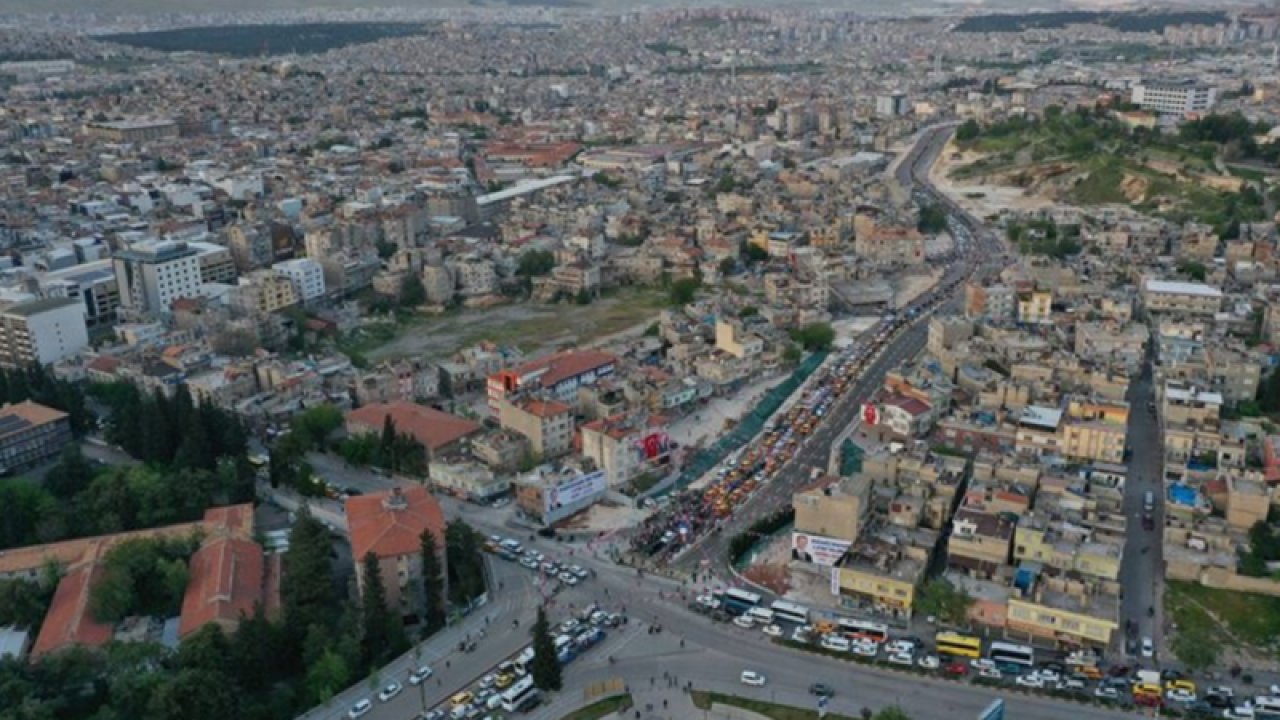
x=1194, y=270
x=792, y=354
x=307, y=586
x=142, y=576
x=71, y=475
x=944, y=601
x=684, y=290
x=383, y=635
x=464, y=562
x=933, y=219
x=968, y=131
x=546, y=666
x=815, y=336
x=433, y=609
x=316, y=424
x=583, y=297
x=412, y=291
x=752, y=253
x=534, y=262
x=328, y=675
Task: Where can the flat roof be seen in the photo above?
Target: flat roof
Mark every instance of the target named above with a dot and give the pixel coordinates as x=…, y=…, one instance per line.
x=1040, y=416
x=35, y=307
x=1175, y=287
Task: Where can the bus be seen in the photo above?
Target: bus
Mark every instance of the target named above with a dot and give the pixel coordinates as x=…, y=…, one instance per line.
x=522, y=696
x=1266, y=706
x=737, y=601
x=957, y=645
x=864, y=630
x=790, y=612
x=1002, y=652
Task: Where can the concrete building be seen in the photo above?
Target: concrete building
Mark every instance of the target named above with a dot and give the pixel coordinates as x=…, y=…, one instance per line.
x=41, y=331
x=307, y=277
x=216, y=263
x=1181, y=297
x=980, y=541
x=548, y=424
x=735, y=340
x=549, y=495
x=132, y=131
x=440, y=433
x=31, y=434
x=1173, y=98
x=151, y=275
x=559, y=376
x=93, y=285
x=839, y=510
x=264, y=292
x=389, y=525
x=624, y=446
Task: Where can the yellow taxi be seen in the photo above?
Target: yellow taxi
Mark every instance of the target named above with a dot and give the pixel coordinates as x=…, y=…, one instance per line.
x=1146, y=689
x=503, y=681
x=465, y=698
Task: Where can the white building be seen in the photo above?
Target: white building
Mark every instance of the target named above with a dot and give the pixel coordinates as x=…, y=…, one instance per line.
x=1174, y=98
x=41, y=331
x=151, y=275
x=307, y=276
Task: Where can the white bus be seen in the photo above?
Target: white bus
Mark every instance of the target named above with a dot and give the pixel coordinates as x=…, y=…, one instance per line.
x=737, y=601
x=1264, y=706
x=864, y=629
x=790, y=612
x=1002, y=652
x=522, y=696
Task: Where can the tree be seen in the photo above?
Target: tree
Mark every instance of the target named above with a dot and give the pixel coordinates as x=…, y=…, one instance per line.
x=433, y=610
x=534, y=263
x=464, y=562
x=71, y=475
x=546, y=666
x=728, y=266
x=968, y=131
x=412, y=291
x=383, y=635
x=815, y=336
x=753, y=253
x=307, y=587
x=792, y=353
x=1194, y=270
x=684, y=290
x=933, y=220
x=316, y=424
x=944, y=601
x=583, y=297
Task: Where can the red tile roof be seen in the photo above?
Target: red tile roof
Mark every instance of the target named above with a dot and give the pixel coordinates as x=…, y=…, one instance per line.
x=381, y=527
x=562, y=366
x=433, y=428
x=226, y=582
x=544, y=408
x=69, y=621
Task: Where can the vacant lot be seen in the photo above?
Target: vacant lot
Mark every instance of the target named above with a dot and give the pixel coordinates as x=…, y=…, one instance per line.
x=531, y=327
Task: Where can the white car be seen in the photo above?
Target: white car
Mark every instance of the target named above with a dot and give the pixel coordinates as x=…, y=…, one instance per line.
x=982, y=663
x=900, y=646
x=569, y=626
x=1106, y=692
x=391, y=690
x=838, y=643
x=579, y=572
x=360, y=709
x=800, y=635
x=1243, y=711
x=568, y=578
x=1148, y=648
x=772, y=631
x=752, y=678
x=488, y=681
x=991, y=672
x=417, y=676
x=1049, y=675
x=865, y=649
x=929, y=662
x=1181, y=695
x=1071, y=684
x=900, y=658
x=1031, y=680
x=745, y=622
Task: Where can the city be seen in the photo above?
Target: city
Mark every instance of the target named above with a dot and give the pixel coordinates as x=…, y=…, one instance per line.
x=572, y=361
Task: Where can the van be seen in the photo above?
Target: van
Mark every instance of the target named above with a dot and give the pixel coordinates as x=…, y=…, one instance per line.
x=1149, y=501
x=1148, y=677
x=761, y=615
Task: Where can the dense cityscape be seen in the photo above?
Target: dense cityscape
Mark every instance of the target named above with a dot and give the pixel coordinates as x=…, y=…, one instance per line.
x=579, y=362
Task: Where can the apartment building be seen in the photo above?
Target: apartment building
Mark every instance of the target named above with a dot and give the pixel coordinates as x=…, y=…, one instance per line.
x=307, y=277
x=41, y=331
x=31, y=434
x=548, y=424
x=217, y=264
x=152, y=274
x=133, y=131
x=839, y=510
x=881, y=571
x=1095, y=431
x=1173, y=97
x=1181, y=297
x=624, y=446
x=736, y=340
x=389, y=525
x=981, y=541
x=1035, y=308
x=1038, y=431
x=1064, y=612
x=559, y=376
x=93, y=284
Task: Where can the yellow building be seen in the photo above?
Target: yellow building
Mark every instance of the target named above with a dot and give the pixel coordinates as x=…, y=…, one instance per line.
x=881, y=572
x=733, y=339
x=1038, y=539
x=1095, y=431
x=1065, y=614
x=837, y=511
x=1036, y=308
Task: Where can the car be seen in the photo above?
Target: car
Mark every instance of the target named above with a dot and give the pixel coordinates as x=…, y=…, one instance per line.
x=865, y=649
x=956, y=669
x=991, y=673
x=752, y=678
x=389, y=691
x=1070, y=684
x=360, y=708
x=980, y=663
x=900, y=646
x=1106, y=692
x=929, y=662
x=599, y=618
x=821, y=690
x=1243, y=711
x=529, y=563
x=772, y=630
x=1148, y=648
x=568, y=627
x=581, y=573
x=487, y=681
x=418, y=676
x=1049, y=674
x=744, y=622
x=899, y=658
x=568, y=578
x=432, y=715
x=504, y=680
x=1181, y=695
x=462, y=698
x=1031, y=680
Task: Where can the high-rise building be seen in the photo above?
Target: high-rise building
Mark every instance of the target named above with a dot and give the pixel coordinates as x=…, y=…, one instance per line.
x=1174, y=98
x=151, y=275
x=41, y=331
x=307, y=276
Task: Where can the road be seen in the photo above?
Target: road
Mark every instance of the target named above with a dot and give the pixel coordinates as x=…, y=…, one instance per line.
x=1143, y=564
x=981, y=255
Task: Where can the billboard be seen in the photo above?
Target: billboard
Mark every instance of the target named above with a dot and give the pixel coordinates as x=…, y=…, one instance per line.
x=870, y=414
x=818, y=549
x=575, y=490
x=655, y=445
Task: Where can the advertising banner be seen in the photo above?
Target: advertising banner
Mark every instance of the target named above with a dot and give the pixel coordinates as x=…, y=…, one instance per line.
x=818, y=549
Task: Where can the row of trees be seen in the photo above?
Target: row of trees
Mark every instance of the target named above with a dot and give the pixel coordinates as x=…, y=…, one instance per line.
x=80, y=499
x=143, y=576
x=393, y=450
x=170, y=430
x=37, y=384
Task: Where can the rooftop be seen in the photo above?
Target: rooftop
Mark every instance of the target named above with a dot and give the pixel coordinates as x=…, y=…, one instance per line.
x=431, y=427
x=391, y=523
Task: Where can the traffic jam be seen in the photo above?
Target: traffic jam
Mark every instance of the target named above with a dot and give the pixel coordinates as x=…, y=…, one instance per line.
x=696, y=511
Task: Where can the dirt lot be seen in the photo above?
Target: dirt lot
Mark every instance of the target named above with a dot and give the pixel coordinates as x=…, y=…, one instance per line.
x=532, y=327
x=981, y=199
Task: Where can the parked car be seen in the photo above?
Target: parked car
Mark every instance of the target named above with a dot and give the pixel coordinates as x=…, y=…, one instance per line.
x=360, y=708
x=417, y=676
x=1031, y=680
x=1106, y=692
x=1148, y=648
x=899, y=658
x=1070, y=684
x=744, y=622
x=929, y=662
x=1181, y=695
x=772, y=630
x=753, y=678
x=956, y=669
x=991, y=673
x=389, y=691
